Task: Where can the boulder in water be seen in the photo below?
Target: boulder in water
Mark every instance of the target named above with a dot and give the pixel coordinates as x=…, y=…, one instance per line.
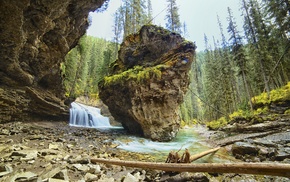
x=148, y=81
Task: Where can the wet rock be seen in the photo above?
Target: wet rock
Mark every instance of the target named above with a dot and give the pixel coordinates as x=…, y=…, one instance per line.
x=264, y=142
x=243, y=148
x=282, y=154
x=279, y=138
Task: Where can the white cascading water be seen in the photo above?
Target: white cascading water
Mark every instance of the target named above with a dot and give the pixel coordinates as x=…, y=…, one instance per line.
x=87, y=116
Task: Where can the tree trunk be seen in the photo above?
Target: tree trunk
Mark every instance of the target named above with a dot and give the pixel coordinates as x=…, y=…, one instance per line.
x=274, y=169
x=197, y=156
x=247, y=88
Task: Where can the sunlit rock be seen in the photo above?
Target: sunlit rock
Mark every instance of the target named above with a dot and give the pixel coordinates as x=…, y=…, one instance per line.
x=148, y=81
x=5, y=169
x=91, y=177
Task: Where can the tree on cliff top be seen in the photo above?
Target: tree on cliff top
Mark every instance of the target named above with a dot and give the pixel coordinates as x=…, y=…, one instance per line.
x=130, y=17
x=173, y=22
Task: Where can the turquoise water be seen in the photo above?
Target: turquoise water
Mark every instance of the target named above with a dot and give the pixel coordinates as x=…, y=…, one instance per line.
x=186, y=138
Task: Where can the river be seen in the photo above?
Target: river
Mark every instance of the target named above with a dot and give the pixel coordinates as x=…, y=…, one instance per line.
x=87, y=116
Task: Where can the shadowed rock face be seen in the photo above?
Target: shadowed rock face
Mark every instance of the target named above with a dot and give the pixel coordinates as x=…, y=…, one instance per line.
x=148, y=82
x=35, y=36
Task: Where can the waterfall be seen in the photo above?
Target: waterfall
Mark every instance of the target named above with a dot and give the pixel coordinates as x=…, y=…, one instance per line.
x=87, y=116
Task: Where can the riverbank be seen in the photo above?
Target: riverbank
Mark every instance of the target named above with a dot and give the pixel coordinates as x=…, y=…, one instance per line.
x=55, y=151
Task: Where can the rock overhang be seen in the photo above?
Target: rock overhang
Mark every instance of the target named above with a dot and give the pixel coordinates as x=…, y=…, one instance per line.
x=35, y=36
x=148, y=81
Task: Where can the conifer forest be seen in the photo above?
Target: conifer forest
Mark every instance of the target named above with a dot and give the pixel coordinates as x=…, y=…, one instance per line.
x=225, y=77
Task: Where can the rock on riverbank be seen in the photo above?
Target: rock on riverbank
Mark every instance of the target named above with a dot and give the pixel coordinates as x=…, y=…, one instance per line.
x=55, y=152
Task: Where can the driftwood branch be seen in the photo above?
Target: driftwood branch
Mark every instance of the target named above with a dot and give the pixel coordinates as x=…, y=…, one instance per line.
x=273, y=169
x=197, y=156
x=173, y=157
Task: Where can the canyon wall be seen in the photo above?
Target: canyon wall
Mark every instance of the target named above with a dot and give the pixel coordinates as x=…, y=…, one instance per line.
x=35, y=36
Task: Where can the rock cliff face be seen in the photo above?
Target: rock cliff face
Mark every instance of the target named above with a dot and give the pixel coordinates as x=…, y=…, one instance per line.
x=35, y=36
x=148, y=82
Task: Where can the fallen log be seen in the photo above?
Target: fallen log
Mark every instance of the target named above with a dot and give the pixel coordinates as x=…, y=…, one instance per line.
x=173, y=157
x=273, y=169
x=197, y=156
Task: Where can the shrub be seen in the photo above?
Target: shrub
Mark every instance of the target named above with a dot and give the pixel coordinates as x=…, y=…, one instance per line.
x=216, y=124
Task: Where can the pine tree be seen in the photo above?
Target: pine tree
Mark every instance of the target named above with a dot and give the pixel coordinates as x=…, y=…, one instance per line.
x=211, y=82
x=127, y=18
x=184, y=30
x=238, y=52
x=139, y=16
x=86, y=64
x=254, y=31
x=230, y=85
x=149, y=12
x=70, y=71
x=130, y=17
x=173, y=23
x=278, y=12
x=117, y=27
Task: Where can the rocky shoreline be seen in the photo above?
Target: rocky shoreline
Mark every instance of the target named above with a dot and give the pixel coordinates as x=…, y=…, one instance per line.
x=54, y=151
x=265, y=141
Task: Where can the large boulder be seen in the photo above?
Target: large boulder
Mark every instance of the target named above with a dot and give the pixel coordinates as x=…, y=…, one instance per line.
x=148, y=81
x=35, y=36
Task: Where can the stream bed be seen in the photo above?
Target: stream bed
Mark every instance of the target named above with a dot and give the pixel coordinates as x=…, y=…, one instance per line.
x=186, y=138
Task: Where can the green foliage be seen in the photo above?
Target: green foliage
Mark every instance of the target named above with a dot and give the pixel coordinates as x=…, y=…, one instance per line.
x=238, y=114
x=260, y=114
x=138, y=74
x=216, y=124
x=86, y=65
x=247, y=115
x=231, y=72
x=130, y=17
x=280, y=94
x=261, y=110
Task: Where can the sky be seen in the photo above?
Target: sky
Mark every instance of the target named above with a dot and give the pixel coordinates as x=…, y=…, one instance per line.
x=200, y=17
